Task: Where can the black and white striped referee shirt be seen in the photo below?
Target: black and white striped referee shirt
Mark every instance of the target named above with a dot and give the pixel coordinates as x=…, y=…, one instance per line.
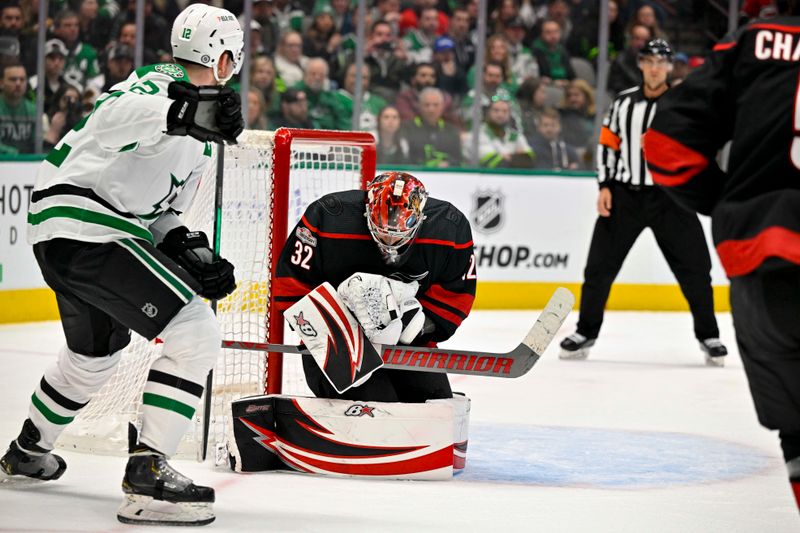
x=619, y=150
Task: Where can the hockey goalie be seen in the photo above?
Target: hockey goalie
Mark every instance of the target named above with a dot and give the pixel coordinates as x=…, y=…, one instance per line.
x=384, y=266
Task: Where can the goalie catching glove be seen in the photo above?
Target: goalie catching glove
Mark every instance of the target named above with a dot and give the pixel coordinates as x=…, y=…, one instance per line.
x=387, y=309
x=207, y=113
x=191, y=251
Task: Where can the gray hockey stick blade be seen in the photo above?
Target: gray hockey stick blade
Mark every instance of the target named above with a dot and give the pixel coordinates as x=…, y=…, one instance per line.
x=513, y=364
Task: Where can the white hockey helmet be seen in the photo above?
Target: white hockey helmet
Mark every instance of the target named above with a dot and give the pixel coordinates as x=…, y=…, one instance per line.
x=202, y=33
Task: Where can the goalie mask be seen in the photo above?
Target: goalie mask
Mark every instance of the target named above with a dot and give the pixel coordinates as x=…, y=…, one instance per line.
x=395, y=201
x=202, y=33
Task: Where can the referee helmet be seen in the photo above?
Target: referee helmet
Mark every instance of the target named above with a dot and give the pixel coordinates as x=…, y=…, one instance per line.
x=657, y=47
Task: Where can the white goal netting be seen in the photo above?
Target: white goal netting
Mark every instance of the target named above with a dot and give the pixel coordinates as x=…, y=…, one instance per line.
x=268, y=180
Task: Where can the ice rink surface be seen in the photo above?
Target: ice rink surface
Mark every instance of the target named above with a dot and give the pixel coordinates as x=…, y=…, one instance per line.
x=641, y=437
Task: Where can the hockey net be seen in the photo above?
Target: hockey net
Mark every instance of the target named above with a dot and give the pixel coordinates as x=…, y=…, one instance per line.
x=268, y=180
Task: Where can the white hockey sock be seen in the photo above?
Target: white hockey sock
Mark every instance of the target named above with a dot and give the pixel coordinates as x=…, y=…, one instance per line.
x=176, y=379
x=67, y=386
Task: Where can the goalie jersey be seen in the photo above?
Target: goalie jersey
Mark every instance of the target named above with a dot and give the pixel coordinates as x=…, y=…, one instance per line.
x=117, y=171
x=331, y=242
x=746, y=92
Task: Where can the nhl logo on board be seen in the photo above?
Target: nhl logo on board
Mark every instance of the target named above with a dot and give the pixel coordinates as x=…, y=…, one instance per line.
x=487, y=210
x=150, y=310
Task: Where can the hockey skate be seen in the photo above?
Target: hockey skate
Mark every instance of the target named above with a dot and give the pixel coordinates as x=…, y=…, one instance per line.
x=24, y=459
x=157, y=494
x=575, y=347
x=715, y=352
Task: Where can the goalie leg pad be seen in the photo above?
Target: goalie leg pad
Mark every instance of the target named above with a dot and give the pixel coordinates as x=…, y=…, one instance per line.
x=343, y=438
x=461, y=407
x=176, y=379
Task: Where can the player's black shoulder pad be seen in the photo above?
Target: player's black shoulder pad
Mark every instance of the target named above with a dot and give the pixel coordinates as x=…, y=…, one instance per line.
x=445, y=217
x=331, y=204
x=442, y=210
x=336, y=203
x=339, y=212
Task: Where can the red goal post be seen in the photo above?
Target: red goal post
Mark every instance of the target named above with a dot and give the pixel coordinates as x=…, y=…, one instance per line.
x=283, y=168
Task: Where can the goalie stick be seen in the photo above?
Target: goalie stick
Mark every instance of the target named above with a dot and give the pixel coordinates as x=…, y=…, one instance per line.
x=512, y=364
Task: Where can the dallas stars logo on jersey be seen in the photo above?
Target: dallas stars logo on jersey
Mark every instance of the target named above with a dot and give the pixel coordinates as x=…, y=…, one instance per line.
x=175, y=187
x=170, y=70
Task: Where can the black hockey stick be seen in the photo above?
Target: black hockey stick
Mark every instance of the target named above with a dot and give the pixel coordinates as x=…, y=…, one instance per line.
x=217, y=237
x=513, y=364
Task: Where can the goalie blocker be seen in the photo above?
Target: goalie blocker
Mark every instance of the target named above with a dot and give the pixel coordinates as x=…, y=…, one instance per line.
x=350, y=438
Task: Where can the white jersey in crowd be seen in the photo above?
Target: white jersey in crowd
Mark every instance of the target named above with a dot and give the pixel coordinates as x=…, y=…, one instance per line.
x=493, y=148
x=117, y=171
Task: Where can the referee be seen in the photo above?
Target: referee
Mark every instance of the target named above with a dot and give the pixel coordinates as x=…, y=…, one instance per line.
x=628, y=203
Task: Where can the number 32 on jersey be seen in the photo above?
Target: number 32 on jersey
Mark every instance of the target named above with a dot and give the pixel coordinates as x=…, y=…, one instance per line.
x=302, y=255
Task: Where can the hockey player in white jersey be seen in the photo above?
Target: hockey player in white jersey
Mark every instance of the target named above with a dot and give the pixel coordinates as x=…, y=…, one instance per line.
x=105, y=231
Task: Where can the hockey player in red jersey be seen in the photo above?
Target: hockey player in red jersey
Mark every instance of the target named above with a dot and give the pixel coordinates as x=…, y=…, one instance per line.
x=391, y=239
x=748, y=92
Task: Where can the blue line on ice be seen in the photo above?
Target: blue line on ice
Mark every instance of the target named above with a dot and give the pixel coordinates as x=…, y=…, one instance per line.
x=602, y=458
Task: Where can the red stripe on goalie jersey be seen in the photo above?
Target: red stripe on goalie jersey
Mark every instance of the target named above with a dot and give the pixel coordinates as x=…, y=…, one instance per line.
x=287, y=291
x=450, y=244
x=460, y=302
x=328, y=235
x=286, y=287
x=670, y=162
x=440, y=312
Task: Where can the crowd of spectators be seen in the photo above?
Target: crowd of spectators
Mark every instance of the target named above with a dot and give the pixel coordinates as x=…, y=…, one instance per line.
x=537, y=106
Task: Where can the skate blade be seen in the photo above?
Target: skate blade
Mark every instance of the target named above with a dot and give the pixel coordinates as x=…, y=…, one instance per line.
x=144, y=510
x=18, y=481
x=718, y=362
x=577, y=355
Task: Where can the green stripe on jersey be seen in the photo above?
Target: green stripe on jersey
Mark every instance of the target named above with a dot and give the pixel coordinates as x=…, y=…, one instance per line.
x=163, y=272
x=115, y=94
x=156, y=400
x=58, y=155
x=91, y=217
x=48, y=414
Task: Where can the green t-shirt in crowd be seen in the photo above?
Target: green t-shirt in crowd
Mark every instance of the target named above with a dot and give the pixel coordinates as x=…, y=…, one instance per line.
x=17, y=127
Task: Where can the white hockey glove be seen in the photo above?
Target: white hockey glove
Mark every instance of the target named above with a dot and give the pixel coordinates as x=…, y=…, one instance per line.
x=380, y=306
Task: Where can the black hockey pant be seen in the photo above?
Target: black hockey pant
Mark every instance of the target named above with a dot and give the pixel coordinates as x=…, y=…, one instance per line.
x=766, y=306
x=680, y=238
